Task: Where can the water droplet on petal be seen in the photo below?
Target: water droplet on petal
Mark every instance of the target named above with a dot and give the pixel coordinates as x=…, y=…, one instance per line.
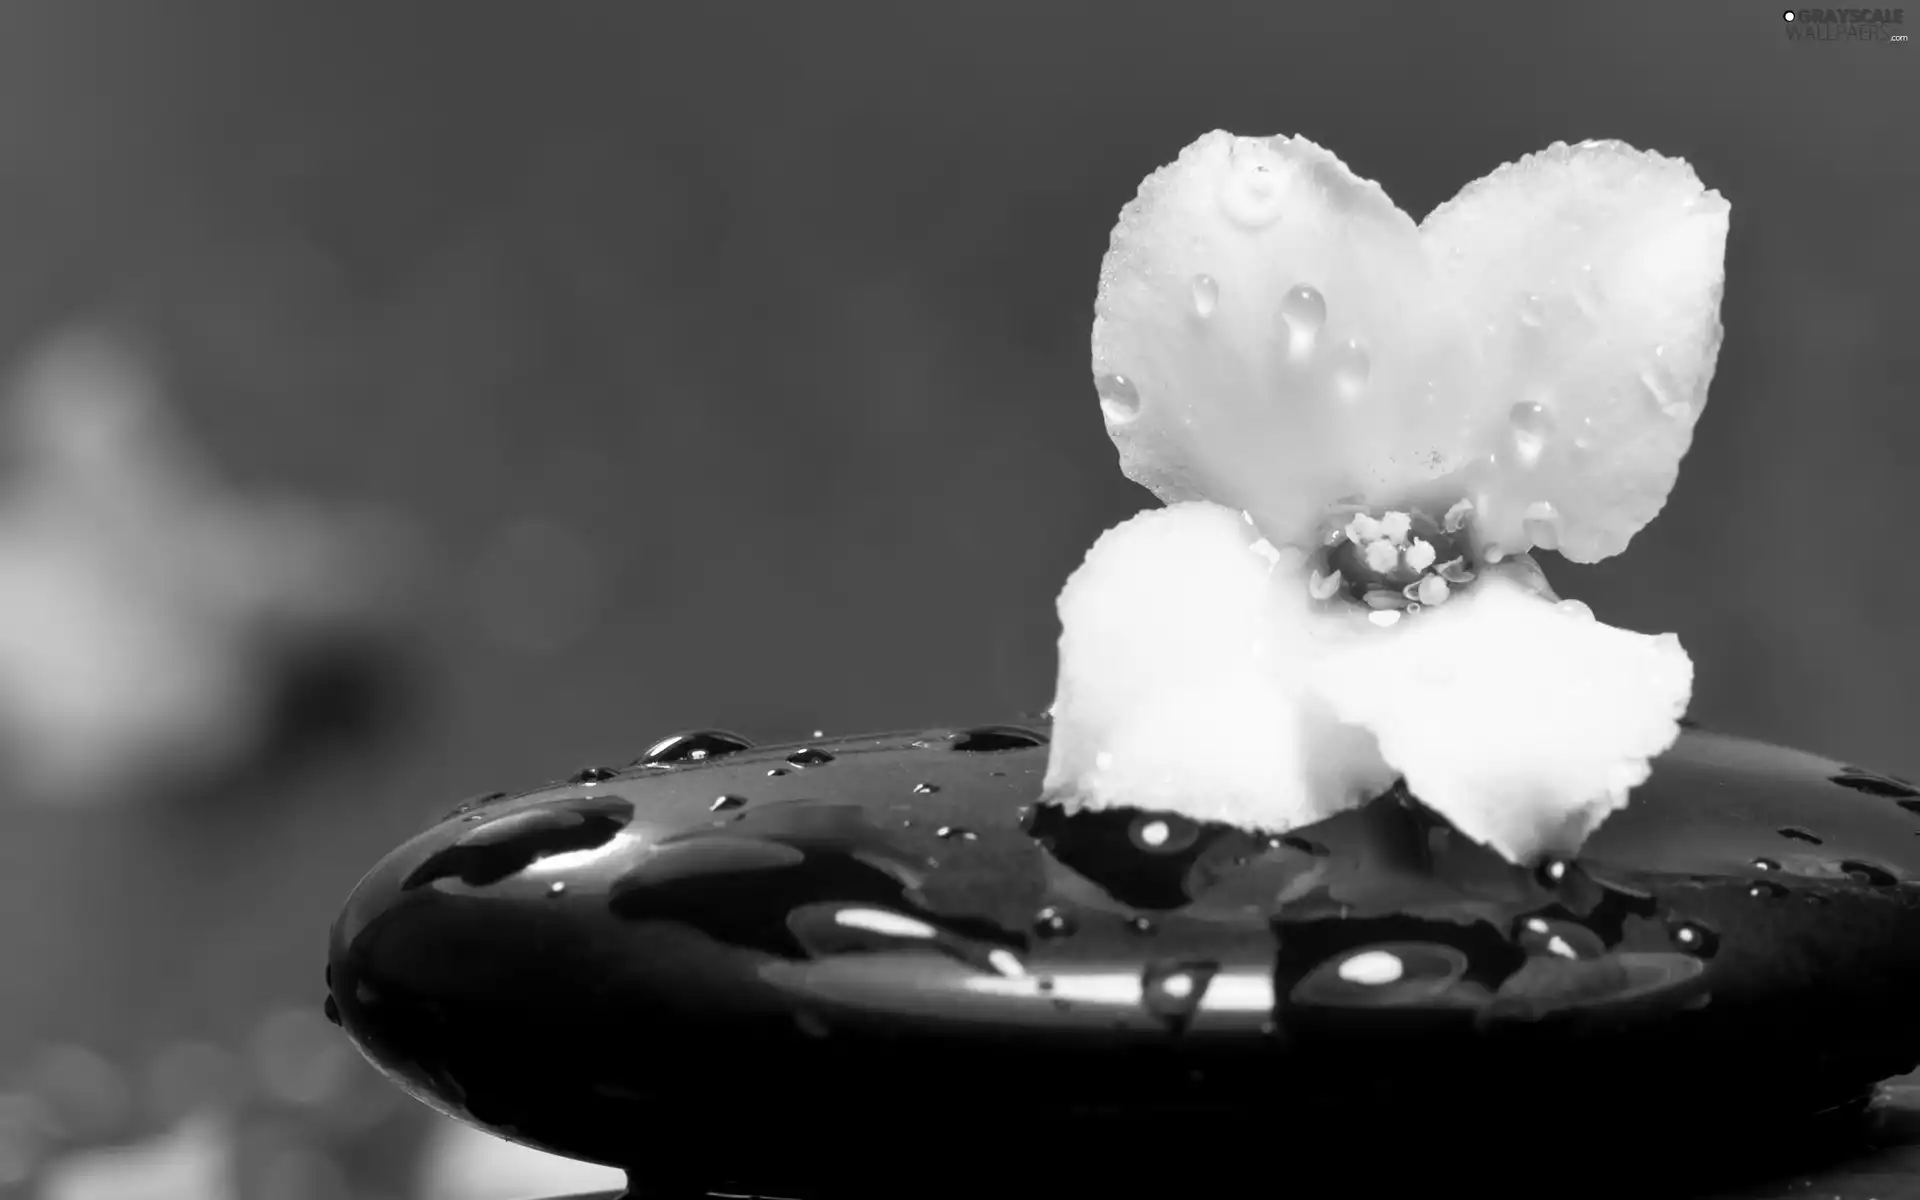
x=1119, y=399
x=1530, y=423
x=1351, y=367
x=1305, y=310
x=1575, y=608
x=1206, y=293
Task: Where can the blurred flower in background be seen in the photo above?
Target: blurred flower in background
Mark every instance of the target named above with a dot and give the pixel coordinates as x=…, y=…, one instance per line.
x=150, y=618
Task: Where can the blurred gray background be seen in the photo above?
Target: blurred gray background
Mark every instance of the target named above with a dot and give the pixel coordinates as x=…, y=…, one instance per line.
x=732, y=360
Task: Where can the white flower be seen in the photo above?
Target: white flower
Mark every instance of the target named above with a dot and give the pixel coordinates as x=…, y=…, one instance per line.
x=1411, y=409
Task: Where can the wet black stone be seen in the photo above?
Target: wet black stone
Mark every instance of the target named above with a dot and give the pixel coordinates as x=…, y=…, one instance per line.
x=491, y=851
x=695, y=980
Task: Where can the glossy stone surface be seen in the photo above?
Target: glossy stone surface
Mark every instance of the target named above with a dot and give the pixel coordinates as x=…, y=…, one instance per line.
x=771, y=967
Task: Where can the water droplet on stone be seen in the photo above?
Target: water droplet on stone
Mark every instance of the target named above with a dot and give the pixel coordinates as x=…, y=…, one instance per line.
x=488, y=853
x=1140, y=925
x=1766, y=889
x=1351, y=367
x=696, y=746
x=951, y=832
x=1173, y=991
x=557, y=888
x=1206, y=293
x=1119, y=399
x=1051, y=922
x=1765, y=864
x=723, y=803
x=809, y=757
x=1693, y=937
x=591, y=775
x=994, y=739
x=1869, y=873
x=1795, y=833
x=925, y=789
x=1372, y=967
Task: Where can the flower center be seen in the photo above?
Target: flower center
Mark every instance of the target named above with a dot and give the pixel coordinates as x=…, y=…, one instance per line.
x=1396, y=562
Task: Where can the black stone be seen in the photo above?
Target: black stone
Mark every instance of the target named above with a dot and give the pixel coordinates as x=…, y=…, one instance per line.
x=779, y=1001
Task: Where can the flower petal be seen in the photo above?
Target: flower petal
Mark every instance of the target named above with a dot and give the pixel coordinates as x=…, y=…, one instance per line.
x=1522, y=724
x=1182, y=665
x=1592, y=277
x=1327, y=361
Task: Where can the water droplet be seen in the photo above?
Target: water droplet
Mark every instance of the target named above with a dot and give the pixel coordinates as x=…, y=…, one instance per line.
x=1575, y=608
x=473, y=802
x=992, y=739
x=1119, y=399
x=1293, y=841
x=809, y=757
x=1051, y=922
x=819, y=733
x=1154, y=833
x=592, y=775
x=1558, y=938
x=1173, y=991
x=1206, y=293
x=723, y=803
x=775, y=772
x=1351, y=367
x=1533, y=311
x=1766, y=889
x=1869, y=873
x=1140, y=925
x=557, y=888
x=1551, y=873
x=1800, y=835
x=925, y=789
x=1529, y=424
x=695, y=746
x=1693, y=937
x=1765, y=864
x=1372, y=967
x=491, y=852
x=1875, y=785
x=950, y=832
x=1305, y=310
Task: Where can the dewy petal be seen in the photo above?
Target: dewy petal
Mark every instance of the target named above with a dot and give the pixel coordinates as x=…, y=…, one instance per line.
x=1593, y=276
x=1546, y=337
x=1523, y=725
x=1330, y=363
x=1183, y=662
